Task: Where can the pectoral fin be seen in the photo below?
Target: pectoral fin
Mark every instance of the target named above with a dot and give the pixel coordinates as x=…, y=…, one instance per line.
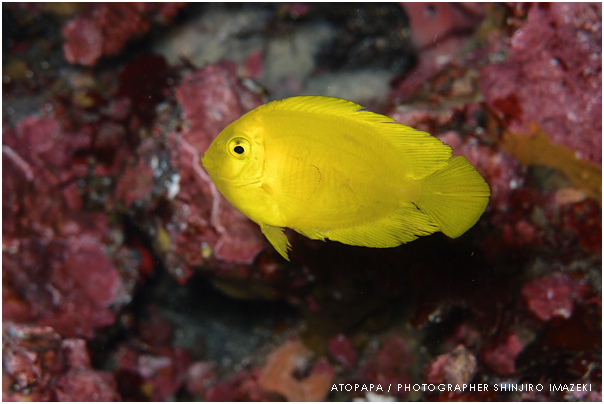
x=293, y=191
x=277, y=238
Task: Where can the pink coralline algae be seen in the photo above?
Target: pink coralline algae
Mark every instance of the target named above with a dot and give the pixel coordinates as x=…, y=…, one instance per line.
x=57, y=269
x=39, y=365
x=69, y=284
x=456, y=367
x=105, y=28
x=550, y=296
x=553, y=76
x=501, y=357
x=439, y=31
x=106, y=203
x=200, y=375
x=521, y=233
x=242, y=386
x=584, y=221
x=432, y=23
x=390, y=365
x=86, y=385
x=41, y=143
x=135, y=183
x=253, y=66
x=85, y=285
x=342, y=351
x=153, y=375
x=211, y=98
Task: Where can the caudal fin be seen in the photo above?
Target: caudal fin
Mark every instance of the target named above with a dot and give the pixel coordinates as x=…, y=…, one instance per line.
x=454, y=197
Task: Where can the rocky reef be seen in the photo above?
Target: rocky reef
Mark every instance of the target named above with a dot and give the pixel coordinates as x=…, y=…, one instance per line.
x=127, y=276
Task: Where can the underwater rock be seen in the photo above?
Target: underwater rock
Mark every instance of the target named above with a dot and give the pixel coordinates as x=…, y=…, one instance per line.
x=200, y=375
x=552, y=76
x=84, y=288
x=550, y=296
x=58, y=267
x=54, y=283
x=86, y=385
x=501, y=357
x=240, y=386
x=144, y=82
x=213, y=32
x=104, y=29
x=42, y=143
x=342, y=351
x=40, y=365
x=253, y=66
x=154, y=374
x=434, y=23
x=439, y=31
x=391, y=364
x=103, y=194
x=456, y=367
x=135, y=183
x=211, y=98
x=583, y=220
x=371, y=36
x=284, y=370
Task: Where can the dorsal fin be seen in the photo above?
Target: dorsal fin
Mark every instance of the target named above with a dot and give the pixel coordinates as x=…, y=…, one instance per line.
x=423, y=154
x=316, y=103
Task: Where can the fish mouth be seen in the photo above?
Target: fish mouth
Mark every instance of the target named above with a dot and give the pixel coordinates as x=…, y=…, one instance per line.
x=209, y=171
x=205, y=165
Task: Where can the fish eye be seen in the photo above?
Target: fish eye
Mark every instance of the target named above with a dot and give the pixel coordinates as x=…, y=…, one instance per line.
x=240, y=148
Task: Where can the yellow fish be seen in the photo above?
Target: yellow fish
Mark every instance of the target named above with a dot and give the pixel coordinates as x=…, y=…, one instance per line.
x=328, y=169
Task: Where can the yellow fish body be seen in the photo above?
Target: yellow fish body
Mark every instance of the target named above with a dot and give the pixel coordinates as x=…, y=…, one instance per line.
x=330, y=170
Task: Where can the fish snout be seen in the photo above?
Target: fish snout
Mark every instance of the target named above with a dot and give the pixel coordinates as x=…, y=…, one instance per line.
x=205, y=163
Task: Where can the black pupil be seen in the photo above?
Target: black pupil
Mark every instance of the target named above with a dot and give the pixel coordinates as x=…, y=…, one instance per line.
x=238, y=149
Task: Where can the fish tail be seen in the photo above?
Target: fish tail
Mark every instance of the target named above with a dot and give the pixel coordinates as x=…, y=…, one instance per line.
x=454, y=197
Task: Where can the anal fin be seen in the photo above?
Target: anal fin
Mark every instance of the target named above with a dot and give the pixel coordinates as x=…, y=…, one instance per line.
x=405, y=224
